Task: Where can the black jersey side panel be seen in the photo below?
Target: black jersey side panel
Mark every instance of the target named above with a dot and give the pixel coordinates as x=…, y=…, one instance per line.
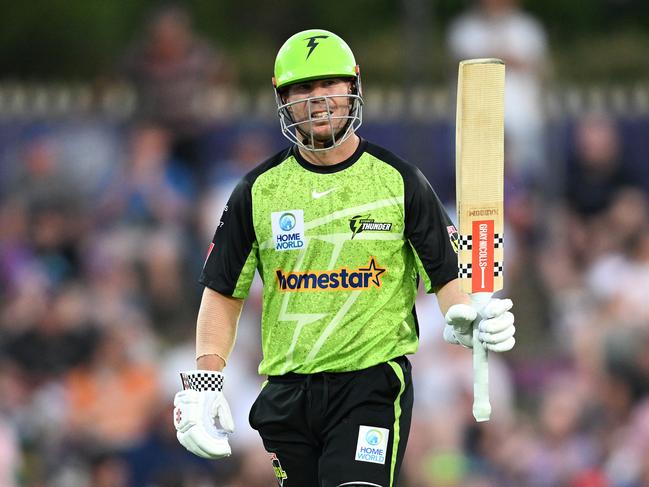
x=234, y=239
x=426, y=225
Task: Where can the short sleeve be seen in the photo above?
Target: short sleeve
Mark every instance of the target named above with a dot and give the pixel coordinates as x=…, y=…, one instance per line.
x=430, y=232
x=233, y=254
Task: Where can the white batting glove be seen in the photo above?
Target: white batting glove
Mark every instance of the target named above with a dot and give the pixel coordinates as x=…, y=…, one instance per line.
x=496, y=327
x=202, y=416
x=458, y=330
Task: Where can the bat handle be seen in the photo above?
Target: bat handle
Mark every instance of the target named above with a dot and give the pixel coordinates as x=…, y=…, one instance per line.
x=481, y=405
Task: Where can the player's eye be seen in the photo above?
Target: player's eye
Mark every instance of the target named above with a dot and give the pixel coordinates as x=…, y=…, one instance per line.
x=334, y=82
x=303, y=88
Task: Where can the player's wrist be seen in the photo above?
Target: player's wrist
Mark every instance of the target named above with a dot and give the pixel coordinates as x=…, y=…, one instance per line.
x=211, y=361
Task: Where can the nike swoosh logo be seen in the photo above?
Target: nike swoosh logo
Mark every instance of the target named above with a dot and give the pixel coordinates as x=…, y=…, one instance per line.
x=317, y=195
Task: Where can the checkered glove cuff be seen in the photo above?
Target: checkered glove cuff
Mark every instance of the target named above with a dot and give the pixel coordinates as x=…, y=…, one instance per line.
x=202, y=380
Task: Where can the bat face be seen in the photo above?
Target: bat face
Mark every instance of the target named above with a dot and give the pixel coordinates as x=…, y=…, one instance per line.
x=480, y=174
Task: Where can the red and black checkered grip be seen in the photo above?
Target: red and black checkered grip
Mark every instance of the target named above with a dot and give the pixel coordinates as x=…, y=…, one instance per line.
x=202, y=380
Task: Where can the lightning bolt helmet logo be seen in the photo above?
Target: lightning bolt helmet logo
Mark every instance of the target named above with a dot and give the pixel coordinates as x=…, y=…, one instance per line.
x=313, y=43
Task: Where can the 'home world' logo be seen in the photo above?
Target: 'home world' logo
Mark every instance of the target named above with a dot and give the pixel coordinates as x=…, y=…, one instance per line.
x=372, y=445
x=288, y=229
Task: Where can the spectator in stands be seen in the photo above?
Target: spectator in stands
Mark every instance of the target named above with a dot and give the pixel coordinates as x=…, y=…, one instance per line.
x=562, y=450
x=149, y=189
x=618, y=280
x=248, y=148
x=47, y=224
x=15, y=252
x=499, y=28
x=172, y=70
x=60, y=337
x=145, y=220
x=156, y=459
x=41, y=178
x=596, y=172
x=110, y=400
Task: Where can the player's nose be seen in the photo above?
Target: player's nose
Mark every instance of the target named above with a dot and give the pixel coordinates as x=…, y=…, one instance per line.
x=319, y=88
x=318, y=101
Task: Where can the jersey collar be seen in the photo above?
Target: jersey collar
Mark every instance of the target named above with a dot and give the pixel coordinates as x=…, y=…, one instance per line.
x=334, y=167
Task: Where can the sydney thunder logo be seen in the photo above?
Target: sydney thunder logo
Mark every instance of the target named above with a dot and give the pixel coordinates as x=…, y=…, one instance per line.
x=362, y=223
x=313, y=43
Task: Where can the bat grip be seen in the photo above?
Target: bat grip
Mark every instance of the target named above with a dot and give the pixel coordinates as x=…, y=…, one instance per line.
x=481, y=405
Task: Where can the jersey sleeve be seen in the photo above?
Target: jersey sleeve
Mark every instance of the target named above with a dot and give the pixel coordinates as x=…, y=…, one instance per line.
x=232, y=258
x=430, y=232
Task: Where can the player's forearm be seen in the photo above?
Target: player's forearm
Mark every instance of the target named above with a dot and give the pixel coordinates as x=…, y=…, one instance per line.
x=450, y=294
x=216, y=329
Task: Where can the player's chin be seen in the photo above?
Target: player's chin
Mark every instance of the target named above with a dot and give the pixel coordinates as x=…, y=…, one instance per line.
x=324, y=138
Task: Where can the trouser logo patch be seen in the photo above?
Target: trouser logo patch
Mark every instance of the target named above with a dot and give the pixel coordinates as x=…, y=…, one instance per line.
x=372, y=445
x=279, y=471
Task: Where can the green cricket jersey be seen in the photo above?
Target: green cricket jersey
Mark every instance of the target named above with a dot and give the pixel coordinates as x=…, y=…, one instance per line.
x=339, y=249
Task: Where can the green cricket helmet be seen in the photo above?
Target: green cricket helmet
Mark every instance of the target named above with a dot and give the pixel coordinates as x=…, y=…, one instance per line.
x=311, y=55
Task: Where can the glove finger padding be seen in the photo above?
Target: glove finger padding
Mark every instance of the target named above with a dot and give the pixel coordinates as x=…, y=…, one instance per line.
x=498, y=337
x=460, y=317
x=205, y=447
x=458, y=330
x=453, y=337
x=497, y=333
x=191, y=447
x=496, y=325
x=505, y=346
x=494, y=338
x=496, y=307
x=220, y=410
x=199, y=441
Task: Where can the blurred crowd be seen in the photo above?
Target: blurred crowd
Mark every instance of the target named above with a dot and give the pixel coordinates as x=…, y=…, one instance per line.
x=104, y=228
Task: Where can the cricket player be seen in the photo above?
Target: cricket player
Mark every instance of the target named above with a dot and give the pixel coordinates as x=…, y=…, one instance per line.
x=341, y=232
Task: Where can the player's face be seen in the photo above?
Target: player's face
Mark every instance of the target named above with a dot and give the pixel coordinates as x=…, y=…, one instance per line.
x=320, y=107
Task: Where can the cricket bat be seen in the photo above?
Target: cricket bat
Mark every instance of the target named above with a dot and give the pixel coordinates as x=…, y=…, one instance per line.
x=479, y=178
